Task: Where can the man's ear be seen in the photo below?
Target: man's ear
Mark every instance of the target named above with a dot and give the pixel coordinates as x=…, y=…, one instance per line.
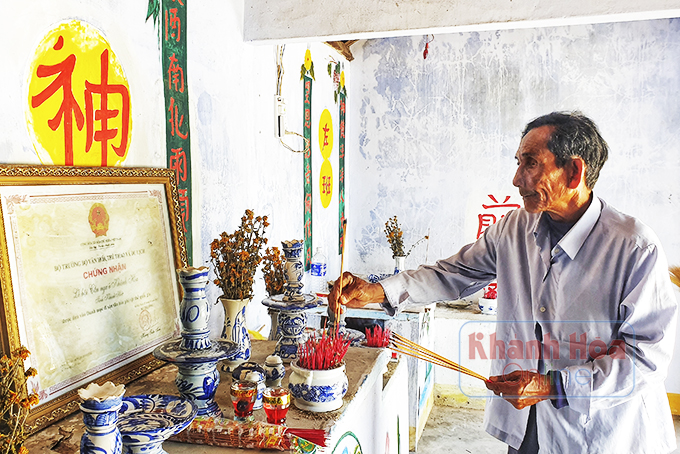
x=576, y=172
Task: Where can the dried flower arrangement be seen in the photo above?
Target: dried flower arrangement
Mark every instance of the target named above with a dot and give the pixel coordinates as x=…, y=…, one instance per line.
x=273, y=271
x=322, y=353
x=13, y=407
x=675, y=275
x=235, y=257
x=378, y=337
x=394, y=234
x=394, y=237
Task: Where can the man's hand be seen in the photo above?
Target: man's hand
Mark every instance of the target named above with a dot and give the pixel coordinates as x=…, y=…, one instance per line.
x=355, y=292
x=522, y=388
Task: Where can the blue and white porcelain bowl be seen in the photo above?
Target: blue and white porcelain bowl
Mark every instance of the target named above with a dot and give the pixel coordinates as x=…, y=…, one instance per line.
x=487, y=306
x=318, y=390
x=146, y=421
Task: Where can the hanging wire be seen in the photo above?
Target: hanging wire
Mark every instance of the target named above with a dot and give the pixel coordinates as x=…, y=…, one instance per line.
x=279, y=83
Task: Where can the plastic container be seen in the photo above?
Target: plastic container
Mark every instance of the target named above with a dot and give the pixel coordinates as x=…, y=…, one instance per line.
x=318, y=273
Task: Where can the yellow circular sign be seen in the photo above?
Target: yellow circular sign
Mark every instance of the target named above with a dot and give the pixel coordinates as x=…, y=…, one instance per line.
x=79, y=110
x=326, y=183
x=326, y=134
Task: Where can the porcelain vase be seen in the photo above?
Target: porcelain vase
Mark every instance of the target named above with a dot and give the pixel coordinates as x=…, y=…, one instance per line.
x=100, y=415
x=294, y=269
x=235, y=330
x=194, y=309
x=399, y=264
x=318, y=390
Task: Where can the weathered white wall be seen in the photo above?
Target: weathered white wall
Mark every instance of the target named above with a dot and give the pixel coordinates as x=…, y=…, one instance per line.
x=238, y=163
x=429, y=135
x=357, y=19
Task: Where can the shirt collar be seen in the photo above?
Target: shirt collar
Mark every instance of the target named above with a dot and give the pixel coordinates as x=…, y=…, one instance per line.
x=573, y=240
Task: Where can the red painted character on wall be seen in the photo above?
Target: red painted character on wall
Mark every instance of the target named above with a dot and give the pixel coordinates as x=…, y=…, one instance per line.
x=488, y=218
x=76, y=80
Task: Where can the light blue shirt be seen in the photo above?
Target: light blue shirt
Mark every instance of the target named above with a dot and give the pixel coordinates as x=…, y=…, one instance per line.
x=605, y=305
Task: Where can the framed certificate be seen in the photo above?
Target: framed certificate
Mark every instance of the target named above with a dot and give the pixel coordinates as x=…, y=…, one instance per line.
x=87, y=268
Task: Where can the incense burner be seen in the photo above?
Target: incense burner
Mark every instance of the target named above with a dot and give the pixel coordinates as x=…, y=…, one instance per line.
x=318, y=390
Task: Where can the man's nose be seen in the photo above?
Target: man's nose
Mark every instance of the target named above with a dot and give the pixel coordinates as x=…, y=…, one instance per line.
x=517, y=179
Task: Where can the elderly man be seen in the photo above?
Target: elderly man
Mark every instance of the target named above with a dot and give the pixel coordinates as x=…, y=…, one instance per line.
x=577, y=276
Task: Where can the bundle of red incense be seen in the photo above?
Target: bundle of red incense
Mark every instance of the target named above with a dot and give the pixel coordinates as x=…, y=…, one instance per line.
x=322, y=353
x=378, y=337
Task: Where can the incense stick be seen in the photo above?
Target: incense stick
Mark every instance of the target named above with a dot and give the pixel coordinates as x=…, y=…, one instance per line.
x=338, y=307
x=403, y=345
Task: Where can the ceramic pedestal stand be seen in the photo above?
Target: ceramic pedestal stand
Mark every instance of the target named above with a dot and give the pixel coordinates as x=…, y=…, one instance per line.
x=195, y=354
x=291, y=321
x=291, y=305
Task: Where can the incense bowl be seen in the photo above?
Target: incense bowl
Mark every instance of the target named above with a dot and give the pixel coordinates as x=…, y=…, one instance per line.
x=317, y=390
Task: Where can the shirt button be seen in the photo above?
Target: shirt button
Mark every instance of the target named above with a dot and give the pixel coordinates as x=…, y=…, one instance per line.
x=542, y=309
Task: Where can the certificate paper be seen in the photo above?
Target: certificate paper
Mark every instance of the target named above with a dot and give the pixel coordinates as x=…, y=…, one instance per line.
x=94, y=277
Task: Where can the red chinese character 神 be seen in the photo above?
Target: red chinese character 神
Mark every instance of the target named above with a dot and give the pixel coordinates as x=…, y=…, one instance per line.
x=175, y=24
x=69, y=108
x=104, y=114
x=184, y=208
x=178, y=162
x=175, y=75
x=175, y=122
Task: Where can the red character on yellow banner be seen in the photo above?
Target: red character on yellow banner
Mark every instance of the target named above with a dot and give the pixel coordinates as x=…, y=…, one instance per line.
x=78, y=109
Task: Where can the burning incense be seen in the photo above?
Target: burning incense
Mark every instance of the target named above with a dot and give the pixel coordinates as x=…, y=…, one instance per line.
x=323, y=353
x=378, y=337
x=403, y=345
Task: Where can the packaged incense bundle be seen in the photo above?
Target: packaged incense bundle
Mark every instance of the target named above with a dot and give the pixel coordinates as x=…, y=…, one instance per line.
x=251, y=435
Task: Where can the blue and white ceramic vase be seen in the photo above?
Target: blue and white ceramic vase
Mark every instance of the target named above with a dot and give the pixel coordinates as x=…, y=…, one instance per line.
x=399, y=263
x=274, y=371
x=236, y=331
x=292, y=325
x=317, y=390
x=194, y=310
x=292, y=251
x=100, y=415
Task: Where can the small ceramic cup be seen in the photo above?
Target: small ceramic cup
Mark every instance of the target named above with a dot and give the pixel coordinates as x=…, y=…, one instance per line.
x=487, y=306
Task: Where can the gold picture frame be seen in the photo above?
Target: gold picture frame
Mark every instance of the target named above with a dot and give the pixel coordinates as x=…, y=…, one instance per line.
x=87, y=275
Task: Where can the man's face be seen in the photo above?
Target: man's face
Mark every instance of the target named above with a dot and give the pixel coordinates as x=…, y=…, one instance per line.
x=542, y=185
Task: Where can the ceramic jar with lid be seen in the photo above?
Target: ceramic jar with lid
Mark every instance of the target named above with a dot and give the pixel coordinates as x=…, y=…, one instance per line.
x=274, y=371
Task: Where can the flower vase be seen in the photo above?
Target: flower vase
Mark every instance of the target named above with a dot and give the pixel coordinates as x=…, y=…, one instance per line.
x=318, y=390
x=235, y=330
x=194, y=310
x=399, y=263
x=100, y=415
